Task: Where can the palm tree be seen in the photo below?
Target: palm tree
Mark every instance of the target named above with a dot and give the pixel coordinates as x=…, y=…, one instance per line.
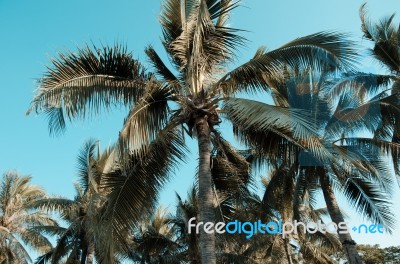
x=280, y=195
x=233, y=181
x=200, y=46
x=165, y=238
x=156, y=241
x=77, y=240
x=385, y=37
x=341, y=109
x=276, y=204
x=17, y=219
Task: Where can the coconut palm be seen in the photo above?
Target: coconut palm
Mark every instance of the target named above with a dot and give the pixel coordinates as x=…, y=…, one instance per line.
x=166, y=238
x=76, y=242
x=17, y=217
x=356, y=166
x=281, y=195
x=385, y=37
x=200, y=46
x=276, y=204
x=156, y=241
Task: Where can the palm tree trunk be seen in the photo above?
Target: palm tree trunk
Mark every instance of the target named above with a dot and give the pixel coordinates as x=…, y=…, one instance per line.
x=90, y=253
x=337, y=217
x=287, y=250
x=83, y=256
x=207, y=241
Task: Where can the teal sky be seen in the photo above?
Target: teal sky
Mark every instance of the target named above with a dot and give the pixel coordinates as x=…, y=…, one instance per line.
x=34, y=31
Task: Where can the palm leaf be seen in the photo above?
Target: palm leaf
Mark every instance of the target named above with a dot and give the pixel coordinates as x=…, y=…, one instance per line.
x=44, y=259
x=386, y=38
x=147, y=117
x=291, y=129
x=161, y=69
x=230, y=171
x=361, y=83
x=83, y=83
x=365, y=115
x=86, y=173
x=134, y=187
x=321, y=51
x=370, y=201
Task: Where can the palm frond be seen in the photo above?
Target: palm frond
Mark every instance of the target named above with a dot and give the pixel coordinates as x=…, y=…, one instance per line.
x=233, y=258
x=135, y=185
x=291, y=130
x=148, y=117
x=172, y=19
x=230, y=170
x=386, y=38
x=196, y=37
x=376, y=152
x=370, y=201
x=161, y=69
x=80, y=84
x=361, y=83
x=365, y=115
x=87, y=175
x=44, y=259
x=313, y=254
x=324, y=51
x=18, y=250
x=35, y=240
x=67, y=243
x=61, y=205
x=290, y=123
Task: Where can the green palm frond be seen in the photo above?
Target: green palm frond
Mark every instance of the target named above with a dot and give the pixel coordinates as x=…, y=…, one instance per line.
x=230, y=170
x=279, y=191
x=386, y=38
x=290, y=129
x=370, y=201
x=360, y=83
x=162, y=70
x=18, y=251
x=313, y=254
x=56, y=204
x=18, y=217
x=149, y=116
x=330, y=242
x=365, y=115
x=50, y=230
x=32, y=218
x=376, y=152
x=234, y=258
x=289, y=123
x=67, y=243
x=109, y=75
x=172, y=19
x=357, y=161
x=134, y=186
x=196, y=36
x=35, y=240
x=324, y=51
x=44, y=259
x=86, y=173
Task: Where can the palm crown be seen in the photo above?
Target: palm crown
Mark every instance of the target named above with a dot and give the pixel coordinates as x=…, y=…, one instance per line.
x=18, y=218
x=187, y=97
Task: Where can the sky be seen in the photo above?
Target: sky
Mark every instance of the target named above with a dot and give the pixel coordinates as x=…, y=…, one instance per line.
x=34, y=31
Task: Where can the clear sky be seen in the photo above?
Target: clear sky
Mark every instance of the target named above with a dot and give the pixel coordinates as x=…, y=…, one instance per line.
x=33, y=31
